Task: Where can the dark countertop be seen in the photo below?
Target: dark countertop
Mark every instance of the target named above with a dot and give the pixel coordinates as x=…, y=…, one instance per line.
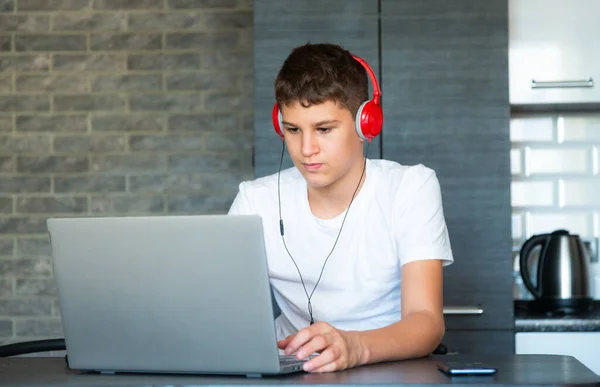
x=527, y=319
x=513, y=371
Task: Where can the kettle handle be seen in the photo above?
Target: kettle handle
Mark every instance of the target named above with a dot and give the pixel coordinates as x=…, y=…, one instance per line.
x=524, y=258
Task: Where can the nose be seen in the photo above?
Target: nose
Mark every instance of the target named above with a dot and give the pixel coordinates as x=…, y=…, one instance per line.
x=309, y=144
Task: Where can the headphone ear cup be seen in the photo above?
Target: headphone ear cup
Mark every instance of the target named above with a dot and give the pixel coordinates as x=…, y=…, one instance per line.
x=276, y=117
x=369, y=120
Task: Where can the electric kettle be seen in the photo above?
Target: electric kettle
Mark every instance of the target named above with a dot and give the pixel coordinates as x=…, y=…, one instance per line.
x=563, y=272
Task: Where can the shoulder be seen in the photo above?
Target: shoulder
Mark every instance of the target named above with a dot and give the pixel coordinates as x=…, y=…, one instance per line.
x=404, y=178
x=262, y=192
x=267, y=184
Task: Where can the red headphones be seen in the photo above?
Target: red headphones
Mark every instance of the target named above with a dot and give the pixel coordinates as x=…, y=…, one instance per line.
x=369, y=117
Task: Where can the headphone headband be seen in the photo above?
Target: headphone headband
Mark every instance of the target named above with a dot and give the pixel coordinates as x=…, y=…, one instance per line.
x=376, y=90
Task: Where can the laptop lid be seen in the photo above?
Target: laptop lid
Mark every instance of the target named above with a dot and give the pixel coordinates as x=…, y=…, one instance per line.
x=183, y=294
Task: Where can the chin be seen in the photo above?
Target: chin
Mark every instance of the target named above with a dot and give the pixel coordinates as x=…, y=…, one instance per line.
x=316, y=181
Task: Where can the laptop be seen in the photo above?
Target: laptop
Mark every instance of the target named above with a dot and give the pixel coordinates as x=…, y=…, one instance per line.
x=166, y=294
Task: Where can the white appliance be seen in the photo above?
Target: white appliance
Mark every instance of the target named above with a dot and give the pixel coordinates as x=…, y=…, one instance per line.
x=584, y=346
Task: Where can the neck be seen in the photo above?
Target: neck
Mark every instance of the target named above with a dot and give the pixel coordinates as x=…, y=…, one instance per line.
x=328, y=202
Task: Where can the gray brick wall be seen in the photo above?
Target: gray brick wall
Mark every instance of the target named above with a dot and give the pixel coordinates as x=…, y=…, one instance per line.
x=113, y=107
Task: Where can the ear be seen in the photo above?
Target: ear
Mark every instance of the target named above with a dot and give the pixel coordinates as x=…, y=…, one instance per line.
x=359, y=138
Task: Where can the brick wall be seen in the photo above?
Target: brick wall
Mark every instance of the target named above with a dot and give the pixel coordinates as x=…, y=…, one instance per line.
x=113, y=107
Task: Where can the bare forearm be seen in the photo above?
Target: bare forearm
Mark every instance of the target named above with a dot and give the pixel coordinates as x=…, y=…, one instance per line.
x=416, y=335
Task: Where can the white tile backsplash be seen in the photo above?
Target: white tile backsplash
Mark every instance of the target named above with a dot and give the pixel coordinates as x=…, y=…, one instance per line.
x=515, y=162
x=557, y=160
x=556, y=184
x=595, y=269
x=581, y=127
x=532, y=193
x=540, y=223
x=532, y=128
x=517, y=226
x=581, y=192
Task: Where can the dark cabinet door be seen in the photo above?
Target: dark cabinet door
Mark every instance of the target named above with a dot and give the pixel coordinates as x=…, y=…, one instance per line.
x=499, y=342
x=445, y=99
x=280, y=26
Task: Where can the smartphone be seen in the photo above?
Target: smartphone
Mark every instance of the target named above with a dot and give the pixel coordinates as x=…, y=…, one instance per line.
x=466, y=369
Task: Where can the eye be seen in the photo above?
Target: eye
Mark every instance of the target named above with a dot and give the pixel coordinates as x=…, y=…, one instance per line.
x=292, y=130
x=324, y=130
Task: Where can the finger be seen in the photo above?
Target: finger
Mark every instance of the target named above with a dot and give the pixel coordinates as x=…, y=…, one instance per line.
x=281, y=344
x=304, y=335
x=326, y=362
x=318, y=343
x=331, y=367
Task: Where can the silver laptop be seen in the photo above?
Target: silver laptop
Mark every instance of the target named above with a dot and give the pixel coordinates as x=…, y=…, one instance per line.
x=167, y=294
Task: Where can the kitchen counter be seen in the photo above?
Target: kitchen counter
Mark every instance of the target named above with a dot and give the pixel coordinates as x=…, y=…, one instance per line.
x=529, y=320
x=513, y=370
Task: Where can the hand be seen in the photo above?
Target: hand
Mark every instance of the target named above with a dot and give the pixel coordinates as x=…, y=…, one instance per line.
x=337, y=349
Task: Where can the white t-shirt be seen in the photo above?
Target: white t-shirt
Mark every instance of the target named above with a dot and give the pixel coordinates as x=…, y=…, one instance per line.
x=395, y=218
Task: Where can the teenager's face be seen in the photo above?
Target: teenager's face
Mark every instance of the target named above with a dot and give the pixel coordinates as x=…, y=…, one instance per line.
x=322, y=142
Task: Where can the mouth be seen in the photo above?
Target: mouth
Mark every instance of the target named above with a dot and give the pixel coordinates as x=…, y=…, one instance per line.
x=312, y=166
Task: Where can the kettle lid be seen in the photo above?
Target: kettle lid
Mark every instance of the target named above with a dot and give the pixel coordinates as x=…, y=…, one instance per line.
x=559, y=233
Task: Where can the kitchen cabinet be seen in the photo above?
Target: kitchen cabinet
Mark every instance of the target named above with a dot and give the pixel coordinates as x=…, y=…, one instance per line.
x=443, y=70
x=445, y=98
x=479, y=342
x=553, y=53
x=581, y=345
x=281, y=25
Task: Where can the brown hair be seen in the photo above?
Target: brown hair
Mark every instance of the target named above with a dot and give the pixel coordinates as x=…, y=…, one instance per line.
x=315, y=73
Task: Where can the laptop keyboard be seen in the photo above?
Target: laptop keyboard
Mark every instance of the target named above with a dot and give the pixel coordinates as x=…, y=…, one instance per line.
x=287, y=360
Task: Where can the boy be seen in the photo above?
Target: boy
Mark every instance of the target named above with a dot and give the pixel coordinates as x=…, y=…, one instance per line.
x=355, y=247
